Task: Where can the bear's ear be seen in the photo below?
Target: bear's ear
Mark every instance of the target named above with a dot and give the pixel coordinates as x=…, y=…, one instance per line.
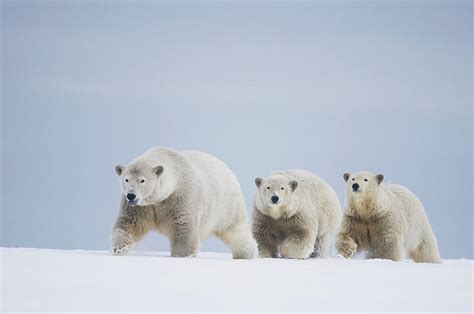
x=119, y=169
x=158, y=170
x=346, y=176
x=293, y=185
x=258, y=181
x=379, y=178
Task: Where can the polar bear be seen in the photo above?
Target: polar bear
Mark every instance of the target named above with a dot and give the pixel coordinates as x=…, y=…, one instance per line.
x=295, y=214
x=186, y=196
x=385, y=220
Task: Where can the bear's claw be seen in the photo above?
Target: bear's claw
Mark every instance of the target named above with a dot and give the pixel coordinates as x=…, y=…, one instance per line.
x=347, y=252
x=122, y=249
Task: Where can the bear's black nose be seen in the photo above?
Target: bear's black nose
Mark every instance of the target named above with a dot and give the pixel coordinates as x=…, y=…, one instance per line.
x=274, y=199
x=355, y=186
x=131, y=196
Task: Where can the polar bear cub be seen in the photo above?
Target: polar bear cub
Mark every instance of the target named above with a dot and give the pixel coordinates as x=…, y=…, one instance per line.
x=187, y=196
x=295, y=214
x=384, y=220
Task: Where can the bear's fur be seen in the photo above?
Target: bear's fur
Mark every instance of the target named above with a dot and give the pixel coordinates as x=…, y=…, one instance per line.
x=186, y=196
x=303, y=221
x=385, y=220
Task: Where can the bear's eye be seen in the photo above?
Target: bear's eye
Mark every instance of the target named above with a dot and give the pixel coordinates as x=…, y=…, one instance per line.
x=142, y=181
x=365, y=180
x=126, y=180
x=268, y=188
x=353, y=179
x=282, y=188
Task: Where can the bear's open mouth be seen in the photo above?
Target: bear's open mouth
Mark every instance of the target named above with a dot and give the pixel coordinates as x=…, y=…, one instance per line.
x=133, y=203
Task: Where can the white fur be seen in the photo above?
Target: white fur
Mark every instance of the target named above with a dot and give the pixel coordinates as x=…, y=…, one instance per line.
x=304, y=220
x=387, y=220
x=196, y=195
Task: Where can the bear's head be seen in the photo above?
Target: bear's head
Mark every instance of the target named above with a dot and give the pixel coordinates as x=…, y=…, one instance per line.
x=274, y=195
x=362, y=184
x=139, y=183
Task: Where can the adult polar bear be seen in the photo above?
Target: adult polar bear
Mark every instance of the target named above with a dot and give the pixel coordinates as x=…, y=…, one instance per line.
x=187, y=196
x=385, y=220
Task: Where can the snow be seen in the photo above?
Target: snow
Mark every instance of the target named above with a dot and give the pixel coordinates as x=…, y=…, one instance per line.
x=54, y=280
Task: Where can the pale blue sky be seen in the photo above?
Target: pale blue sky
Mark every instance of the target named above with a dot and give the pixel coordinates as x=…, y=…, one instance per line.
x=327, y=87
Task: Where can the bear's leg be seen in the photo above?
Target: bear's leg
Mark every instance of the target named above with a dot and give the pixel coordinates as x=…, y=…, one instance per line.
x=345, y=245
x=185, y=241
x=131, y=225
x=267, y=246
x=321, y=247
x=300, y=244
x=267, y=249
x=121, y=242
x=388, y=248
x=240, y=241
x=386, y=241
x=426, y=252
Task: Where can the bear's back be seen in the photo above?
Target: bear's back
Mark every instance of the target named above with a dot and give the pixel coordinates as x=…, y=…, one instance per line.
x=402, y=199
x=402, y=194
x=214, y=169
x=155, y=155
x=308, y=181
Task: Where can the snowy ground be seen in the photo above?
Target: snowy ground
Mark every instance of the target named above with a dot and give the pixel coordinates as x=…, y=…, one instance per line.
x=53, y=280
